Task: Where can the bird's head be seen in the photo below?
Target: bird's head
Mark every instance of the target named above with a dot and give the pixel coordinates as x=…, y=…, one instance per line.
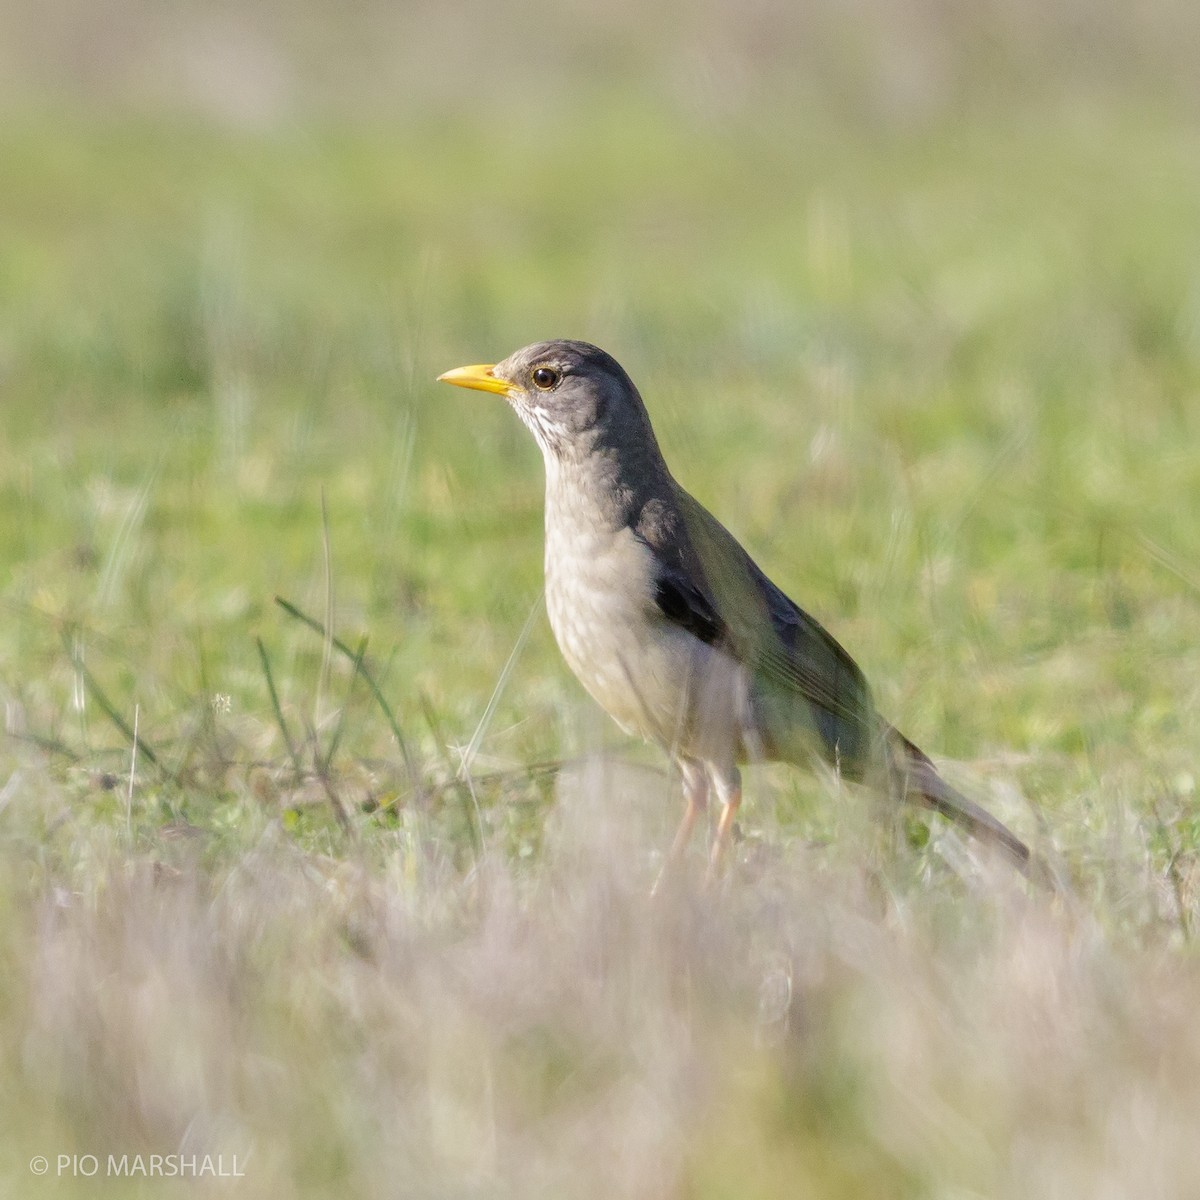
x=573, y=397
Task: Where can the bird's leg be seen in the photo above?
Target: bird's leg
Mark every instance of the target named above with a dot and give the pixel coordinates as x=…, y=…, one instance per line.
x=695, y=795
x=729, y=792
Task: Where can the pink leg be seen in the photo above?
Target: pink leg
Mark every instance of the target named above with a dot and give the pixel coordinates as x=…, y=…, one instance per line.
x=729, y=791
x=695, y=795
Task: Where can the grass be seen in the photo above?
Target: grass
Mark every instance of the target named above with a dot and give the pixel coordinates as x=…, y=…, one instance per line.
x=941, y=379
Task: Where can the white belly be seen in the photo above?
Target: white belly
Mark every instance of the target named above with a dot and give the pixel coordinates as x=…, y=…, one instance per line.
x=653, y=678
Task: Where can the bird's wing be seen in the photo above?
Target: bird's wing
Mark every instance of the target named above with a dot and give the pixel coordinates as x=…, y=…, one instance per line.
x=706, y=583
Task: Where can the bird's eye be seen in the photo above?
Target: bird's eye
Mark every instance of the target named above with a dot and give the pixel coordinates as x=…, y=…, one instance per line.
x=545, y=378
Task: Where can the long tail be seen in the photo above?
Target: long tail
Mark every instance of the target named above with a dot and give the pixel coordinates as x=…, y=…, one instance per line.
x=923, y=785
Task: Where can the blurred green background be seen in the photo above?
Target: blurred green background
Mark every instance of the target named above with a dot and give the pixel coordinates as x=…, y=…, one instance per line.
x=912, y=292
x=913, y=299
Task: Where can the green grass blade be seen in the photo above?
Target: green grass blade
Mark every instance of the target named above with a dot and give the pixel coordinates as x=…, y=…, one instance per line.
x=362, y=669
x=293, y=753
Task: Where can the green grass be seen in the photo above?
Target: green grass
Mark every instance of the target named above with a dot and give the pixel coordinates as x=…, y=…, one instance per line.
x=942, y=380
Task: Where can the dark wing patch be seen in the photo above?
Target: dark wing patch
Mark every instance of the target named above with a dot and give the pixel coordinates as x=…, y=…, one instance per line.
x=683, y=605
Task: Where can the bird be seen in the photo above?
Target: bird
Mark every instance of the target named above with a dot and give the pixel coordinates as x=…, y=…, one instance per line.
x=673, y=628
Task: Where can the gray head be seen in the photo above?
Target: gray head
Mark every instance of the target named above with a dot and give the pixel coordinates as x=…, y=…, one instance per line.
x=576, y=399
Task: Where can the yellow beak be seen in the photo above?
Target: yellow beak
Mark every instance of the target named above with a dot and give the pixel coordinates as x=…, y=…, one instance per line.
x=479, y=377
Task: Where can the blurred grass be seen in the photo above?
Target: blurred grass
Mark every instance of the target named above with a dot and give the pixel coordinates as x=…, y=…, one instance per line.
x=937, y=366
x=961, y=365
